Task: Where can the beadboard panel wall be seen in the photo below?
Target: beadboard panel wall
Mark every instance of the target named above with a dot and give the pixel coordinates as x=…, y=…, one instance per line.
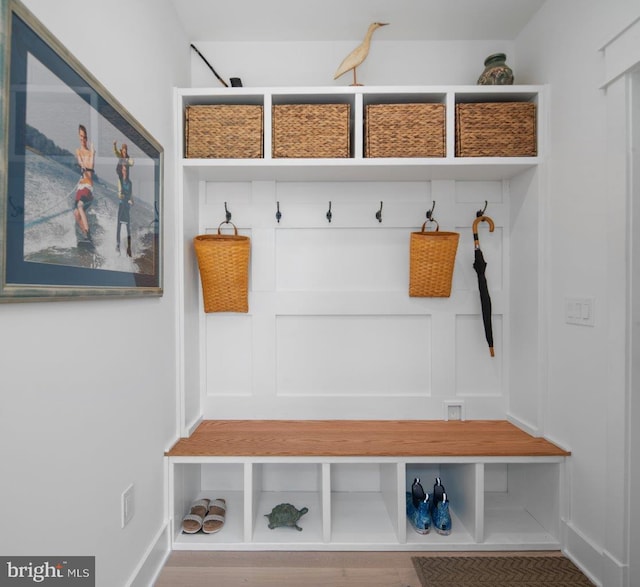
x=331, y=330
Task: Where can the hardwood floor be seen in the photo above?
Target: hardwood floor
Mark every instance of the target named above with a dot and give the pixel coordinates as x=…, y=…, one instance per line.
x=299, y=569
x=288, y=569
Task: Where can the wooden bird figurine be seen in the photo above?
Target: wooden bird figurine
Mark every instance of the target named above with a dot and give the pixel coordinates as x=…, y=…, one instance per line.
x=359, y=54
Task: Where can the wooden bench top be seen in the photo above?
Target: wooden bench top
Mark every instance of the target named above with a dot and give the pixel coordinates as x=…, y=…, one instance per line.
x=362, y=438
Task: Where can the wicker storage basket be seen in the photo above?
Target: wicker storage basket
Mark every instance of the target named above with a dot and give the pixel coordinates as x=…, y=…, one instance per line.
x=405, y=130
x=223, y=260
x=311, y=130
x=432, y=256
x=496, y=129
x=223, y=131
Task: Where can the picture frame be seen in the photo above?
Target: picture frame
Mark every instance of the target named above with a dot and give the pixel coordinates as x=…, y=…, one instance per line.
x=81, y=180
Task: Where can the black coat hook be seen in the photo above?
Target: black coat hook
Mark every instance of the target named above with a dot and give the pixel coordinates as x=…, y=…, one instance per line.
x=379, y=213
x=278, y=213
x=227, y=214
x=481, y=212
x=329, y=215
x=430, y=212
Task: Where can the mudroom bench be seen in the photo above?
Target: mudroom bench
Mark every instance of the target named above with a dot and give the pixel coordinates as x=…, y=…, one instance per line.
x=504, y=485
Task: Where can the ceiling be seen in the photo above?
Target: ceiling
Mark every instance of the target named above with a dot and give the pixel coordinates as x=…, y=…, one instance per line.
x=345, y=20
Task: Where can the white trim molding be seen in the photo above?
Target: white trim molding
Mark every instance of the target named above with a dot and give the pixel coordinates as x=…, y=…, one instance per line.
x=621, y=53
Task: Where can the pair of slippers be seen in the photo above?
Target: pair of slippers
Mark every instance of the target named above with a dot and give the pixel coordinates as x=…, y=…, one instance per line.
x=205, y=515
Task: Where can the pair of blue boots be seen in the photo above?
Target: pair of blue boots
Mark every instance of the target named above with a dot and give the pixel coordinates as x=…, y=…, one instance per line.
x=425, y=510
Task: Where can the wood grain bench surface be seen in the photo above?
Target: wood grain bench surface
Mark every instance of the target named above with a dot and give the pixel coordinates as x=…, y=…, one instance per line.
x=363, y=438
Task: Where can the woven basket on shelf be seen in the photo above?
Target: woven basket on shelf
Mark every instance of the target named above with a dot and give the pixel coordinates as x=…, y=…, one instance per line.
x=496, y=129
x=405, y=130
x=223, y=131
x=311, y=131
x=432, y=257
x=223, y=260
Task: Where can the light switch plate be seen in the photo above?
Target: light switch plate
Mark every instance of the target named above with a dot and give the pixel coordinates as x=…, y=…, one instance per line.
x=579, y=311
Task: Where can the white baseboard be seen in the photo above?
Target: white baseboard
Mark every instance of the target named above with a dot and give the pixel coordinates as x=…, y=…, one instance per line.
x=600, y=566
x=149, y=567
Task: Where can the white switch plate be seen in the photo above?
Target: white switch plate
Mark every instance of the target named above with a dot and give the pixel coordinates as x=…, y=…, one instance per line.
x=579, y=311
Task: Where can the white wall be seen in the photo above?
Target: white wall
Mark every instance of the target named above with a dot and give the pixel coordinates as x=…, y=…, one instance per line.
x=88, y=388
x=314, y=63
x=584, y=232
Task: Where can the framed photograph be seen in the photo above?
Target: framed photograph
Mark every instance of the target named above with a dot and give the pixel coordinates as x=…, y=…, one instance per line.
x=81, y=193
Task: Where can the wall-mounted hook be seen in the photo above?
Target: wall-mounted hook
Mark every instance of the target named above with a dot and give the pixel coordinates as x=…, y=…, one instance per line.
x=329, y=215
x=227, y=214
x=430, y=212
x=278, y=213
x=379, y=213
x=481, y=212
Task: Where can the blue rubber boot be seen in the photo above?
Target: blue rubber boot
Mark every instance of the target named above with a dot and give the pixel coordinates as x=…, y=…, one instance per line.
x=419, y=517
x=442, y=517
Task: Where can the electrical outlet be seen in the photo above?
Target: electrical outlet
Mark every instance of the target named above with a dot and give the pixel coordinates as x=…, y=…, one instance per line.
x=128, y=505
x=454, y=410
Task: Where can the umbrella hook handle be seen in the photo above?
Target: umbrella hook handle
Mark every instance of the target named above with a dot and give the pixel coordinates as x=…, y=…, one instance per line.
x=477, y=221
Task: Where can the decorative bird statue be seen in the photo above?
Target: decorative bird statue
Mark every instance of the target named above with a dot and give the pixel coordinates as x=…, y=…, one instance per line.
x=359, y=54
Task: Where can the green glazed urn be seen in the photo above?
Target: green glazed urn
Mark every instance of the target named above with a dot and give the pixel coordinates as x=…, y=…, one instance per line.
x=496, y=71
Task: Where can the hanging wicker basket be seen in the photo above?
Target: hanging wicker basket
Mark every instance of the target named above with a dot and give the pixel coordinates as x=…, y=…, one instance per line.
x=223, y=260
x=432, y=256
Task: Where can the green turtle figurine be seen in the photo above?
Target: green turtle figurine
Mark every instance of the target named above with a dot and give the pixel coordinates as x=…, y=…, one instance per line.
x=285, y=515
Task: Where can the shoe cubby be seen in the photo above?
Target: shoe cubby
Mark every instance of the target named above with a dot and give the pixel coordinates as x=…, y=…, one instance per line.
x=193, y=481
x=298, y=484
x=364, y=503
x=522, y=504
x=462, y=483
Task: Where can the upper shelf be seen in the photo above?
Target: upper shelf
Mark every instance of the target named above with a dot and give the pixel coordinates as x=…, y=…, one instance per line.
x=358, y=167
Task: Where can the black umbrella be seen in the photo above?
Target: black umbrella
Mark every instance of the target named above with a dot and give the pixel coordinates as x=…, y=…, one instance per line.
x=480, y=266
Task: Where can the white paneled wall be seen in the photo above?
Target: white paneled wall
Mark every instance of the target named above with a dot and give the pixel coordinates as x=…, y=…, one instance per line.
x=331, y=330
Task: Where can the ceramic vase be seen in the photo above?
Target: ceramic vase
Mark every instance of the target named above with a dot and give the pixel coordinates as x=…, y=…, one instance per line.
x=496, y=71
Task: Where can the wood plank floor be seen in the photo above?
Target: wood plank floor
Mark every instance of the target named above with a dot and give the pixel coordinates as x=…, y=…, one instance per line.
x=300, y=569
x=343, y=438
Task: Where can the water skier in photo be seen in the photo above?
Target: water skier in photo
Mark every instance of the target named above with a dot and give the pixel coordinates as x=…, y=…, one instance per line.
x=123, y=161
x=124, y=208
x=85, y=156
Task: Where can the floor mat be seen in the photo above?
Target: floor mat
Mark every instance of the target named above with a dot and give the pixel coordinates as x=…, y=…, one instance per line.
x=498, y=571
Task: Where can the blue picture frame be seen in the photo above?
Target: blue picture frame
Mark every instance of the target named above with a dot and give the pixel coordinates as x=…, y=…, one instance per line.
x=81, y=198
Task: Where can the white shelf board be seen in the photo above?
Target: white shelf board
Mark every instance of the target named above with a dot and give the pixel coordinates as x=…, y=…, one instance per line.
x=360, y=517
x=513, y=527
x=391, y=169
x=507, y=523
x=217, y=95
